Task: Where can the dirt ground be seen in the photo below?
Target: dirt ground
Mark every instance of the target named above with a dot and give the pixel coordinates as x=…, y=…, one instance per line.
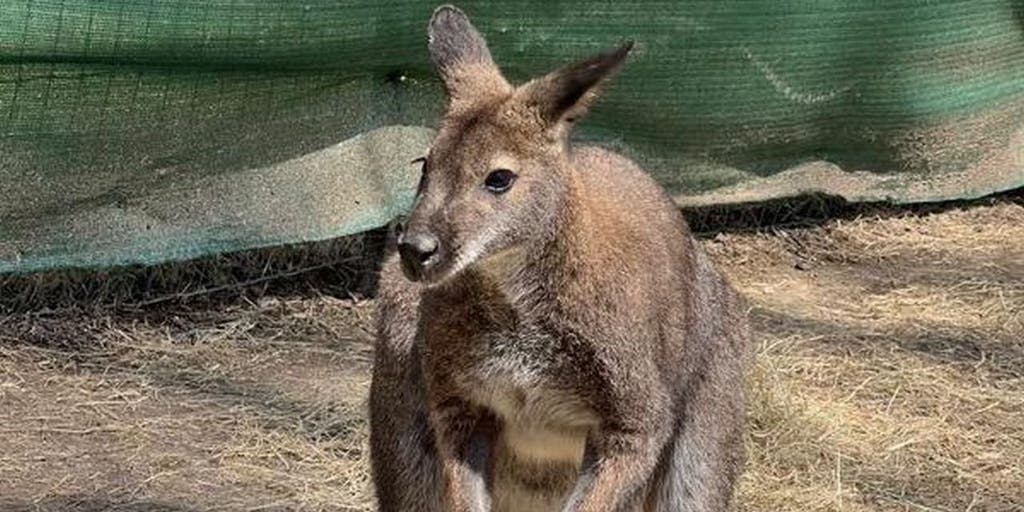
x=889, y=376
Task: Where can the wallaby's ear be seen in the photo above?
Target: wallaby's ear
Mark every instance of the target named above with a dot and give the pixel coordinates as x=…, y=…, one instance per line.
x=565, y=94
x=461, y=58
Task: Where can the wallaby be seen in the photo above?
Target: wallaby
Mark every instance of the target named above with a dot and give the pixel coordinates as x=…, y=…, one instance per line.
x=551, y=337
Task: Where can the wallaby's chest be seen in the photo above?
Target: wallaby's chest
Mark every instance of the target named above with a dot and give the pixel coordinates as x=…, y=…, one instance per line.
x=524, y=376
x=521, y=373
x=525, y=381
x=502, y=357
x=529, y=394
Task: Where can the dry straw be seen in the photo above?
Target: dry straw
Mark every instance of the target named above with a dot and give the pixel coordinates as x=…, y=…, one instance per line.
x=889, y=375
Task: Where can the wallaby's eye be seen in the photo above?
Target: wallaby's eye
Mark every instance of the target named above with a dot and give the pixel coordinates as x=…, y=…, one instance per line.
x=499, y=180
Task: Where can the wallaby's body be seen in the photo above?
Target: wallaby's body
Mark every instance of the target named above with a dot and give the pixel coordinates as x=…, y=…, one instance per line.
x=551, y=337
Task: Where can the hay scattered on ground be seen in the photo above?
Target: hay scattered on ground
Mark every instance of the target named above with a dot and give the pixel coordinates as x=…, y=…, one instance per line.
x=890, y=373
x=889, y=376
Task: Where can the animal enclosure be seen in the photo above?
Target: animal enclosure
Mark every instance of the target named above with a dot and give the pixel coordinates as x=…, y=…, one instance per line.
x=889, y=374
x=154, y=131
x=163, y=347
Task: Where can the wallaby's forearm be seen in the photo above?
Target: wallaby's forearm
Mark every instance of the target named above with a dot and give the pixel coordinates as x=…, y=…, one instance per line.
x=623, y=463
x=464, y=442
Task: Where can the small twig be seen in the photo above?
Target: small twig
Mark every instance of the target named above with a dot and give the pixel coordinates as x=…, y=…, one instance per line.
x=910, y=503
x=227, y=287
x=888, y=407
x=59, y=430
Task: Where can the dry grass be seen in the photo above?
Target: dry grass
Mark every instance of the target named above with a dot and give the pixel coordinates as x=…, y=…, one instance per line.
x=252, y=406
x=889, y=376
x=890, y=373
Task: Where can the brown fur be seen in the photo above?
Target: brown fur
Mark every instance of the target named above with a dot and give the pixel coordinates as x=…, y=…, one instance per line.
x=568, y=347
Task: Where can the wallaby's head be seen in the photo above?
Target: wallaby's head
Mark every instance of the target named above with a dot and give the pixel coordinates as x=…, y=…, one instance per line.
x=495, y=177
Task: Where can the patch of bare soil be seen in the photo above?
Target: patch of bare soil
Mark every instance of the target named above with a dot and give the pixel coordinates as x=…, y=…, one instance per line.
x=250, y=407
x=889, y=376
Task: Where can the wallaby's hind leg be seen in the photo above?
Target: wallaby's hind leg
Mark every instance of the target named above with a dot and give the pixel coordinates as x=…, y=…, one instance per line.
x=406, y=471
x=699, y=469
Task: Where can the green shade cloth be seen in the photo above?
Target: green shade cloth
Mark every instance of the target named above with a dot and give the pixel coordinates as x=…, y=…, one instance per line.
x=140, y=131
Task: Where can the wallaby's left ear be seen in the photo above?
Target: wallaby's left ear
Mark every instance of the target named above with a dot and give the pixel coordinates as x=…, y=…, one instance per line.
x=462, y=60
x=566, y=93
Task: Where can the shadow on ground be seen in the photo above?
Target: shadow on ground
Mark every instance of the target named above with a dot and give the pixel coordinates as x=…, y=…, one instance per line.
x=86, y=503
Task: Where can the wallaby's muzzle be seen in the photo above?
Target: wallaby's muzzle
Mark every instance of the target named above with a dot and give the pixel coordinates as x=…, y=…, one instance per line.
x=419, y=252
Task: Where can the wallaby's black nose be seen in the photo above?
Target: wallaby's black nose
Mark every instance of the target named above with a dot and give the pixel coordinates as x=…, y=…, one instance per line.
x=416, y=249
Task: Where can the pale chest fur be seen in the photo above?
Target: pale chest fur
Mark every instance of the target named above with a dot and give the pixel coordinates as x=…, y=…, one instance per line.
x=540, y=447
x=503, y=359
x=539, y=450
x=525, y=377
x=522, y=378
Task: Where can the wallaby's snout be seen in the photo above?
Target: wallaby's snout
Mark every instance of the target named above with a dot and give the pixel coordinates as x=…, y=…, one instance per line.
x=418, y=251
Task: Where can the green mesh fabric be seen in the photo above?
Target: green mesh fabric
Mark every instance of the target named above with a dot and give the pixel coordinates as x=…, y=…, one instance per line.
x=139, y=131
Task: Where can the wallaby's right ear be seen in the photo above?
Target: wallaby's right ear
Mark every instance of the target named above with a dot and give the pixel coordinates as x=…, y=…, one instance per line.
x=462, y=60
x=566, y=93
